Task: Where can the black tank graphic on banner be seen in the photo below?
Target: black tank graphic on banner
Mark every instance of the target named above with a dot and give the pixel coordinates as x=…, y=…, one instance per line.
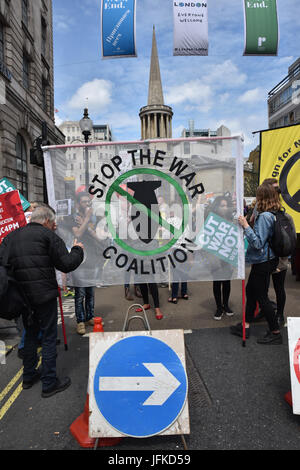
x=144, y=192
x=292, y=201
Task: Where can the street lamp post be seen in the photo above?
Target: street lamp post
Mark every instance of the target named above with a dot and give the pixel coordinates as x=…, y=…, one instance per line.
x=86, y=126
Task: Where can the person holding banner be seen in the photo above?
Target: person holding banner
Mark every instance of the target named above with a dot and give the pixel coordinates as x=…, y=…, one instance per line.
x=263, y=263
x=178, y=275
x=278, y=276
x=83, y=228
x=222, y=206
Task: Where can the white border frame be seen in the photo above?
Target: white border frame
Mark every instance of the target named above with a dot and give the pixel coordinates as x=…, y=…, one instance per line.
x=239, y=176
x=99, y=344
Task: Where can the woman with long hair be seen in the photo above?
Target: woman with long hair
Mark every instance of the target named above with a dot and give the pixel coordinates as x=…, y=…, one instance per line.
x=264, y=262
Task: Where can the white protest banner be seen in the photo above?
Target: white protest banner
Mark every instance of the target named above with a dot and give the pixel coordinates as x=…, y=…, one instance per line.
x=145, y=209
x=190, y=28
x=63, y=207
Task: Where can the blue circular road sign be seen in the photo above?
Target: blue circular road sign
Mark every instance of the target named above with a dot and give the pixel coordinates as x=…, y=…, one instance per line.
x=140, y=386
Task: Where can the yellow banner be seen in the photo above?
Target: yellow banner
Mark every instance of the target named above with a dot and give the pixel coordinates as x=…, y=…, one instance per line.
x=280, y=158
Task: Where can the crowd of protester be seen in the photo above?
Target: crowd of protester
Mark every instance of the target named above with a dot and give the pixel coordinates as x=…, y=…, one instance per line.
x=36, y=251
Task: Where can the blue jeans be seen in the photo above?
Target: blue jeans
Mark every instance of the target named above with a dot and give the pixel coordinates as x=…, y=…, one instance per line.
x=175, y=289
x=84, y=311
x=44, y=321
x=21, y=343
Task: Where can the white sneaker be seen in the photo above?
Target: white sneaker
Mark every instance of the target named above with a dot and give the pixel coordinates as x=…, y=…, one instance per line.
x=228, y=312
x=219, y=314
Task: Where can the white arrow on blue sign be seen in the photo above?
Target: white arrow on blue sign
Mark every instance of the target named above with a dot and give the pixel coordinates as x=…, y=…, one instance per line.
x=140, y=386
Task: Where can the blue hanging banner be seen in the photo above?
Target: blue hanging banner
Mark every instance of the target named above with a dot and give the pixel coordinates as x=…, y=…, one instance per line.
x=118, y=28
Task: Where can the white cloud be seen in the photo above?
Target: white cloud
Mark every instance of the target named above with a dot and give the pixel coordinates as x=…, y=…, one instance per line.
x=244, y=126
x=62, y=23
x=225, y=75
x=192, y=94
x=253, y=96
x=125, y=126
x=58, y=121
x=224, y=97
x=285, y=60
x=177, y=131
x=201, y=94
x=95, y=95
x=123, y=120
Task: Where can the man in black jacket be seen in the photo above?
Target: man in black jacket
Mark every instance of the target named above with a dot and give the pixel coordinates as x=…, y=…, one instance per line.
x=35, y=251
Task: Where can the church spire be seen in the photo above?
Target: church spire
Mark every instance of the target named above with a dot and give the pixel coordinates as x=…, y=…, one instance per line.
x=156, y=117
x=155, y=93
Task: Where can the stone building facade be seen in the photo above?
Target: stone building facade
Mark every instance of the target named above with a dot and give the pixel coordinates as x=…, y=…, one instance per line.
x=26, y=91
x=75, y=157
x=284, y=99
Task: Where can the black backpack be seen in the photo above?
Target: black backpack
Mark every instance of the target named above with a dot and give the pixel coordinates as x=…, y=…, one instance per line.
x=283, y=241
x=13, y=301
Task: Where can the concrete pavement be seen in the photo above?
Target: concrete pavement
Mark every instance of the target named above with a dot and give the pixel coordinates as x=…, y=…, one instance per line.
x=196, y=313
x=236, y=394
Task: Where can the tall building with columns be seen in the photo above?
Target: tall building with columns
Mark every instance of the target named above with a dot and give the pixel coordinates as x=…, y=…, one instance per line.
x=156, y=117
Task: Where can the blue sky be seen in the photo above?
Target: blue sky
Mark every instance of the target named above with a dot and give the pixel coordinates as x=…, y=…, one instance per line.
x=223, y=88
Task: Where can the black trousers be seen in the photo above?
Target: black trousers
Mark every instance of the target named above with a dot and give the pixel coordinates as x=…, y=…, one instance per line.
x=154, y=292
x=44, y=320
x=219, y=288
x=278, y=283
x=257, y=290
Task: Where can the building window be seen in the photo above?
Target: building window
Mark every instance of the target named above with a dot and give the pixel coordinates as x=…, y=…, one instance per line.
x=282, y=99
x=25, y=15
x=25, y=71
x=21, y=164
x=44, y=95
x=296, y=70
x=186, y=148
x=2, y=55
x=44, y=36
